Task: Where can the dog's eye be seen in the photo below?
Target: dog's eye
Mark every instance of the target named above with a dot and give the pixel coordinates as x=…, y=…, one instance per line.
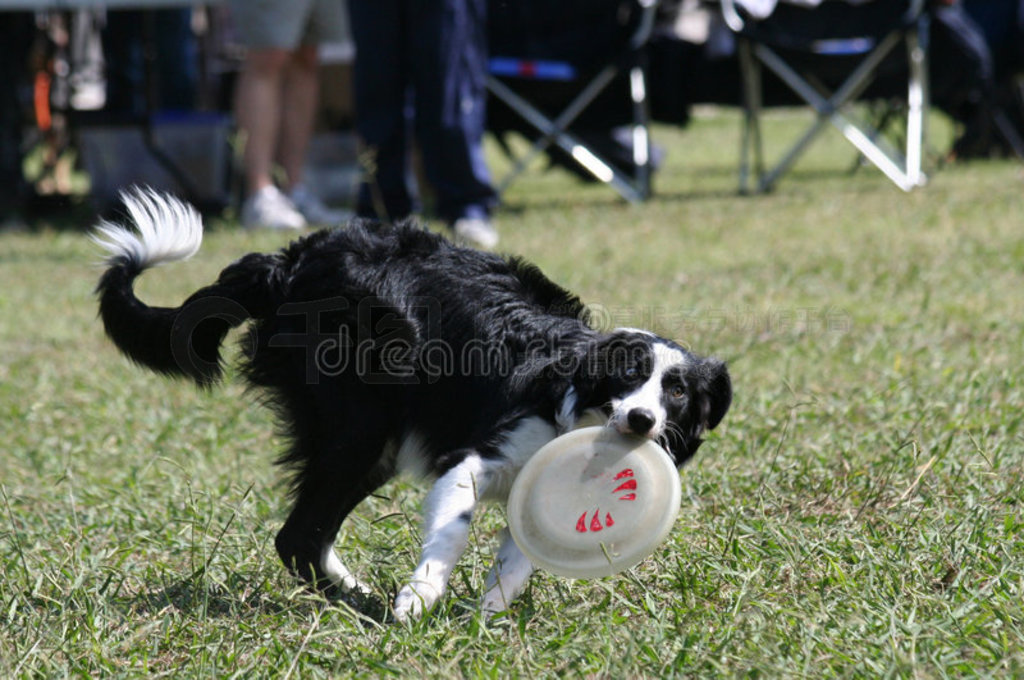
x=631, y=372
x=677, y=392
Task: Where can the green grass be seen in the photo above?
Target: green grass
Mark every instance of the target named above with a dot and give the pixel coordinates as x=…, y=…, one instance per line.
x=858, y=513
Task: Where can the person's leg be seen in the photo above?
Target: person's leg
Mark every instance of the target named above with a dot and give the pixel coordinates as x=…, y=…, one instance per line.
x=962, y=78
x=124, y=65
x=324, y=22
x=380, y=88
x=272, y=31
x=258, y=112
x=16, y=32
x=177, y=60
x=450, y=71
x=300, y=96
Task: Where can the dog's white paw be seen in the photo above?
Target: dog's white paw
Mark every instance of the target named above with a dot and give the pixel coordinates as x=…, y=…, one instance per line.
x=492, y=604
x=412, y=601
x=355, y=587
x=340, y=575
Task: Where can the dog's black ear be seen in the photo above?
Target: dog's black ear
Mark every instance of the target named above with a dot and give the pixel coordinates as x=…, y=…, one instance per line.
x=713, y=392
x=600, y=364
x=546, y=378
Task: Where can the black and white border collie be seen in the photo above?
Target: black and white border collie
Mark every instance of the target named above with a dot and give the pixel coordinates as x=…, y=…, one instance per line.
x=387, y=349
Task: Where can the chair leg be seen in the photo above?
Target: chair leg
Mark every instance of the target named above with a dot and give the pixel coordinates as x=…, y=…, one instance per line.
x=751, y=141
x=1005, y=127
x=823, y=107
x=917, y=89
x=549, y=129
x=641, y=138
x=880, y=116
x=555, y=131
x=830, y=109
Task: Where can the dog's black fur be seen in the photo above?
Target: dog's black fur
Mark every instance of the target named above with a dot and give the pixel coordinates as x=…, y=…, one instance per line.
x=365, y=336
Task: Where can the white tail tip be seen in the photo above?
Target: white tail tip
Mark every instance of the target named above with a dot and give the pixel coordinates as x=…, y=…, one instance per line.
x=166, y=229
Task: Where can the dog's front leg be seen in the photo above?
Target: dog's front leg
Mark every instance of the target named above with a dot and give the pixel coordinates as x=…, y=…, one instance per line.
x=448, y=511
x=507, y=577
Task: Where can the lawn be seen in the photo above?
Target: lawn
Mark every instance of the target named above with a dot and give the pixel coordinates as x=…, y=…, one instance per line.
x=859, y=513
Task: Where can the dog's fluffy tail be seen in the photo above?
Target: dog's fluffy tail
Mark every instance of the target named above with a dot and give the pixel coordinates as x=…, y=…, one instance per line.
x=185, y=340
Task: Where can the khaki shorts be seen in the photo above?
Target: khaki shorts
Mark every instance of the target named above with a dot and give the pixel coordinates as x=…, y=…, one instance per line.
x=287, y=24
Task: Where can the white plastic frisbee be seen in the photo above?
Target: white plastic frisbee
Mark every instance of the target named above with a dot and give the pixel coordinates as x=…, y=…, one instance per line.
x=593, y=502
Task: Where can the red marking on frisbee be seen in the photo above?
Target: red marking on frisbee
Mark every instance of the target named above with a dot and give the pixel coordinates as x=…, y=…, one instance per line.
x=629, y=485
x=595, y=522
x=628, y=497
x=628, y=472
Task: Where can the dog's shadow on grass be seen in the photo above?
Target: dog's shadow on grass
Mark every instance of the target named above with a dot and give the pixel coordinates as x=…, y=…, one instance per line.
x=200, y=598
x=197, y=596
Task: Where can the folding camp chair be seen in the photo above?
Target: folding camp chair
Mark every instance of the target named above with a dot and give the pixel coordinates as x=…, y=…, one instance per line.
x=508, y=72
x=829, y=55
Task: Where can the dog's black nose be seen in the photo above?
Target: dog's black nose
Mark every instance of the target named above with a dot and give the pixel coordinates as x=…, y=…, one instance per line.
x=640, y=420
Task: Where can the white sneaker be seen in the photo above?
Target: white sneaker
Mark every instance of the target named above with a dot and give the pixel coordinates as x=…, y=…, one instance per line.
x=476, y=231
x=314, y=210
x=268, y=208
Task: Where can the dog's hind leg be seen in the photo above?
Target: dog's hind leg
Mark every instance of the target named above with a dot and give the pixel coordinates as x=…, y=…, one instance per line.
x=448, y=511
x=328, y=489
x=507, y=577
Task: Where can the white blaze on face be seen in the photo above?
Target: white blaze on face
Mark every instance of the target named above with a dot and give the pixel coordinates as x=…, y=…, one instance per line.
x=649, y=396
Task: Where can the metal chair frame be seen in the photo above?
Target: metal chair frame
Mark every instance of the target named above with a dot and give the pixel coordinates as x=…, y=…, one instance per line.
x=555, y=129
x=905, y=170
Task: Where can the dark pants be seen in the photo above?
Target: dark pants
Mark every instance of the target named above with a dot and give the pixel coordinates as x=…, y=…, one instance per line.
x=1002, y=22
x=960, y=62
x=16, y=32
x=421, y=66
x=176, y=72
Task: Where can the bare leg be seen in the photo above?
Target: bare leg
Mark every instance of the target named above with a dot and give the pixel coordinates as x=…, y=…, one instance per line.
x=258, y=112
x=301, y=93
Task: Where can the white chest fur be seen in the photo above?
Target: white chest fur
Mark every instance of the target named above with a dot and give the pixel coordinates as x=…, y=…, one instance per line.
x=519, y=445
